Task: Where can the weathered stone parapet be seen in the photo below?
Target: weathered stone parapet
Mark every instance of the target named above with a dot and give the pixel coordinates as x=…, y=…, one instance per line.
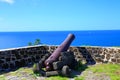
x=17, y=57
x=97, y=54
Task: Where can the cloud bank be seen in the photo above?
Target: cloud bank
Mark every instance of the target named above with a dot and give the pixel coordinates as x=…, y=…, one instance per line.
x=8, y=1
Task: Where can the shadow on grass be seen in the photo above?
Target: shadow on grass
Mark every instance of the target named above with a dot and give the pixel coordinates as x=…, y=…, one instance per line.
x=80, y=67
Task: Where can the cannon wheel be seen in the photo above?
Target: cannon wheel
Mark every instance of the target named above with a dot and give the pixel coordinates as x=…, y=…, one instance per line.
x=65, y=71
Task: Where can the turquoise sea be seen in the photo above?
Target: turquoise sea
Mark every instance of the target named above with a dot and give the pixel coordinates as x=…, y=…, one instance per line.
x=87, y=38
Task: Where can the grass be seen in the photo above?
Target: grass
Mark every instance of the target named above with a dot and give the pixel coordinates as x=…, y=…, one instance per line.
x=80, y=78
x=111, y=70
x=19, y=73
x=57, y=78
x=2, y=77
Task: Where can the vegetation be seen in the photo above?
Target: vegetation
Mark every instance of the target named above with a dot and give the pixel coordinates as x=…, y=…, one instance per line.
x=101, y=70
x=111, y=70
x=24, y=73
x=79, y=78
x=36, y=70
x=2, y=77
x=80, y=66
x=37, y=42
x=57, y=78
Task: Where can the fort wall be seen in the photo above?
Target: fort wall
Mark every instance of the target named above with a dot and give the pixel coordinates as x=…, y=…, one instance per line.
x=18, y=57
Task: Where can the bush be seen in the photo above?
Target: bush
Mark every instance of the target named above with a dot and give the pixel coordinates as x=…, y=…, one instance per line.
x=37, y=42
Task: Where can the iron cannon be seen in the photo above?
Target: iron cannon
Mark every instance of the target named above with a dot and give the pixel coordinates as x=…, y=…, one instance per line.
x=55, y=55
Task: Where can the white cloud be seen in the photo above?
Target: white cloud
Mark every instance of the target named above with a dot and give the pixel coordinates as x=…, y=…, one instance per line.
x=8, y=1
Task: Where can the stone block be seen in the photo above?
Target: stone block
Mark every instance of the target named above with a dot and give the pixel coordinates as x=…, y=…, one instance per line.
x=23, y=62
x=8, y=59
x=12, y=66
x=22, y=52
x=118, y=60
x=102, y=56
x=98, y=60
x=108, y=56
x=111, y=51
x=5, y=66
x=113, y=60
x=117, y=55
x=118, y=50
x=33, y=59
x=2, y=61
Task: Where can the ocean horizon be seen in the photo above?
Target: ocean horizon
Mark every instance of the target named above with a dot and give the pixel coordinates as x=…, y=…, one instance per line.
x=105, y=38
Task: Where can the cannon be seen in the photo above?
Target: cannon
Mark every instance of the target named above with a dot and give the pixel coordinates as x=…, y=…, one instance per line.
x=55, y=55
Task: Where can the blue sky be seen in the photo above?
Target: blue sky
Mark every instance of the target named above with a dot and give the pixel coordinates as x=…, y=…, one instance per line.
x=54, y=15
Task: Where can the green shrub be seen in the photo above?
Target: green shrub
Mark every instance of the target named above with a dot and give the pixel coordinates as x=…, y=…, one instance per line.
x=37, y=42
x=80, y=66
x=36, y=70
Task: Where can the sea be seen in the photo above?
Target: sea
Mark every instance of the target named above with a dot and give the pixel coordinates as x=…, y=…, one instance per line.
x=104, y=38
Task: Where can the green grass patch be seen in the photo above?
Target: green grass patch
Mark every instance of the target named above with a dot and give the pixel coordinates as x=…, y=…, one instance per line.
x=79, y=78
x=2, y=77
x=57, y=78
x=19, y=72
x=109, y=68
x=112, y=70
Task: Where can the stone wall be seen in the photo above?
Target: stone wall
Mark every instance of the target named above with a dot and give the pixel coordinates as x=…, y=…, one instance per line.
x=93, y=55
x=18, y=57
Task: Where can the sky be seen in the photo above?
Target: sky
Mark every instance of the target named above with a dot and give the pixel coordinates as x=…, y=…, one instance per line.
x=59, y=15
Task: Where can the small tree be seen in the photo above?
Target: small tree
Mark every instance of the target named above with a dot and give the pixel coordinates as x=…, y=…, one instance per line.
x=37, y=42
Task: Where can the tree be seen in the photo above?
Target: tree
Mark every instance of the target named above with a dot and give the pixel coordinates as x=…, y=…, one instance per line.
x=37, y=42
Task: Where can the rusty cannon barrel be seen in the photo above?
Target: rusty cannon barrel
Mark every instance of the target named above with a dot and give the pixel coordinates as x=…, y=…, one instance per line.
x=63, y=47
